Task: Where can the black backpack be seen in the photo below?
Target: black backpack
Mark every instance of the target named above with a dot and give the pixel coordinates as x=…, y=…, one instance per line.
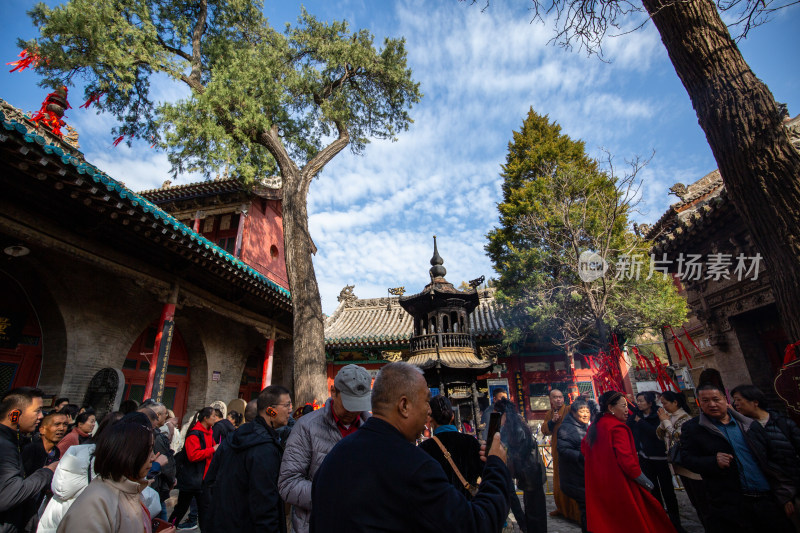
x=188, y=473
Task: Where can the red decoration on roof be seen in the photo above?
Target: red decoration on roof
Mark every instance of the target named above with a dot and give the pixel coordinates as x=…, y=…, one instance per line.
x=27, y=60
x=53, y=107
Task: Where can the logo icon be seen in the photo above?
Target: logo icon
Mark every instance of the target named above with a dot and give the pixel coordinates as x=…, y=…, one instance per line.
x=591, y=266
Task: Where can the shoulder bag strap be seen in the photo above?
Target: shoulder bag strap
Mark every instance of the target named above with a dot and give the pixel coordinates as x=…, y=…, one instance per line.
x=449, y=458
x=200, y=437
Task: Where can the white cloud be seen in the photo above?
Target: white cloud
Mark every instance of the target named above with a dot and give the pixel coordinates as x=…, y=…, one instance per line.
x=372, y=217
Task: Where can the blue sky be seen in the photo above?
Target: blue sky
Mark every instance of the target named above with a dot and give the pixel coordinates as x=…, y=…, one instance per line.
x=373, y=216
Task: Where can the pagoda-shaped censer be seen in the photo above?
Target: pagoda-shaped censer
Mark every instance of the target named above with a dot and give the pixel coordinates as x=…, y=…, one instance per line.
x=442, y=344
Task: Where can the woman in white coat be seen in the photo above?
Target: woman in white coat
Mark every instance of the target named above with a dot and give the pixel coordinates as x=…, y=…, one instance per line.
x=74, y=473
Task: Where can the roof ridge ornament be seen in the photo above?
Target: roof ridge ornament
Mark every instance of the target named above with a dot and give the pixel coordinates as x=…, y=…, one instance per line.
x=437, y=270
x=347, y=297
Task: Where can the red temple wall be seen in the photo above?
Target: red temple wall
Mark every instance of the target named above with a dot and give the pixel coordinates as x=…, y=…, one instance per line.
x=262, y=241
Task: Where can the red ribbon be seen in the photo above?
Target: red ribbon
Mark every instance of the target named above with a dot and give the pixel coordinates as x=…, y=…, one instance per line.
x=680, y=348
x=663, y=376
x=607, y=375
x=94, y=98
x=691, y=340
x=28, y=60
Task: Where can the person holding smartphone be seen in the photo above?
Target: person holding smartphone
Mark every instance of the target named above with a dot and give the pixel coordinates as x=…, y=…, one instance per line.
x=526, y=466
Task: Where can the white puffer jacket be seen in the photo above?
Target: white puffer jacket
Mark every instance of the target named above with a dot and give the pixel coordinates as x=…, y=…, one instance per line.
x=70, y=479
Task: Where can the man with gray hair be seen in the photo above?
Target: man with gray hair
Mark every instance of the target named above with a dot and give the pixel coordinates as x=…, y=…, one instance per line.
x=165, y=480
x=315, y=434
x=376, y=479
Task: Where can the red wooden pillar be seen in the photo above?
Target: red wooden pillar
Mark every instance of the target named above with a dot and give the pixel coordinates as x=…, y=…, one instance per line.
x=160, y=358
x=266, y=377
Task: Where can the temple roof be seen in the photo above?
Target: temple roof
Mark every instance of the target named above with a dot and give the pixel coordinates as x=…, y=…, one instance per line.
x=81, y=186
x=700, y=204
x=268, y=188
x=371, y=321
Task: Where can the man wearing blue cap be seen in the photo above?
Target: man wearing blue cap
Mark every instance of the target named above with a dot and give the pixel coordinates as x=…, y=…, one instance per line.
x=316, y=433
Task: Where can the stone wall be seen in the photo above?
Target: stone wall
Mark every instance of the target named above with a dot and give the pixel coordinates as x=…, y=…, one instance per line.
x=90, y=317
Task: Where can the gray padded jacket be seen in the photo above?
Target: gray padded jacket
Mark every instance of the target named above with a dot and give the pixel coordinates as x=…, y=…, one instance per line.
x=312, y=437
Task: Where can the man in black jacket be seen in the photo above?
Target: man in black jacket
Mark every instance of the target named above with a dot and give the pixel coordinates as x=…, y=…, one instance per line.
x=570, y=459
x=246, y=495
x=20, y=412
x=43, y=450
x=734, y=457
x=377, y=480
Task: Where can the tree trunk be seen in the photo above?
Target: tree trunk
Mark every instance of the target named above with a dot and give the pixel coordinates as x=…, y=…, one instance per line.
x=309, y=342
x=572, y=388
x=759, y=166
x=603, y=336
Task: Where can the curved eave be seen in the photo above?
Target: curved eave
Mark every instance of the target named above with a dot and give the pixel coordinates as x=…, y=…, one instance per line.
x=694, y=225
x=455, y=361
x=120, y=198
x=368, y=341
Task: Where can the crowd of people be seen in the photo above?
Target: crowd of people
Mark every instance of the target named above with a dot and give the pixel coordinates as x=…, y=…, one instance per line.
x=360, y=463
x=619, y=462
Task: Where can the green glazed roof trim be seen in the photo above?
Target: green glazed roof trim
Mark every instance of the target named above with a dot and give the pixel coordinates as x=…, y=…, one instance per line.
x=369, y=338
x=112, y=185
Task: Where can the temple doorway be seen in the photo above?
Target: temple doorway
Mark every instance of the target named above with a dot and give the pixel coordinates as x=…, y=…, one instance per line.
x=20, y=337
x=137, y=365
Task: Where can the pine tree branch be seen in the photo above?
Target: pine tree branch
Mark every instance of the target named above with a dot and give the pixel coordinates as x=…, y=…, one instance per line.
x=324, y=156
x=173, y=50
x=271, y=140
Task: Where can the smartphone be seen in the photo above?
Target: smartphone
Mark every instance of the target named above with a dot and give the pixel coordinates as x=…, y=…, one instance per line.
x=494, y=427
x=160, y=525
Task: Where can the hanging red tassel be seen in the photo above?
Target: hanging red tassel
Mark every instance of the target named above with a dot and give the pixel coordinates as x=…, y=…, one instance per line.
x=641, y=361
x=691, y=341
x=94, y=98
x=662, y=372
x=680, y=348
x=607, y=375
x=118, y=140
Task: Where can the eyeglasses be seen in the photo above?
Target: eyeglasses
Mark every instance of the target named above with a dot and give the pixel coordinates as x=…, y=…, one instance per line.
x=287, y=405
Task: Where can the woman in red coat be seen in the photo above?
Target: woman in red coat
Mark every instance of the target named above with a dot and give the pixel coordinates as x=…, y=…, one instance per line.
x=199, y=454
x=617, y=493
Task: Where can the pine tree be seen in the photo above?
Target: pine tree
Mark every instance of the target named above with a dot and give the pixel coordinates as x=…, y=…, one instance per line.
x=743, y=124
x=260, y=101
x=557, y=205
